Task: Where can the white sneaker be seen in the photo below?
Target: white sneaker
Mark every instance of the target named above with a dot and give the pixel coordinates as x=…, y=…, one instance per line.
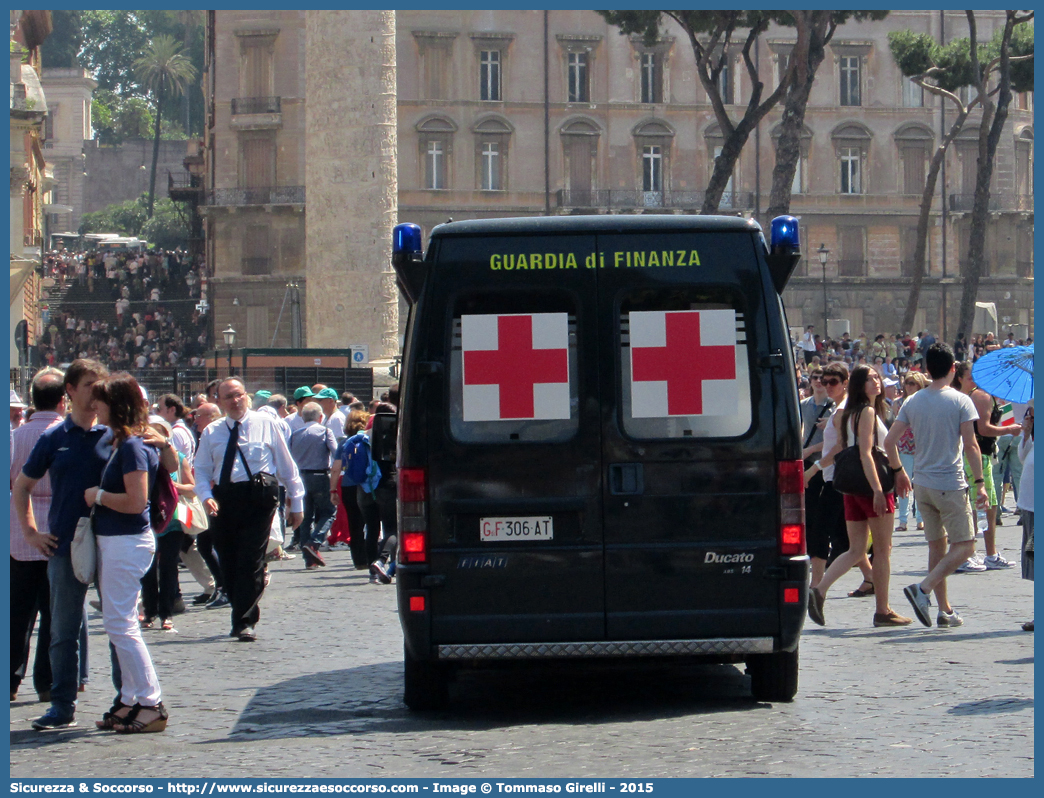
x=996, y=563
x=949, y=619
x=970, y=565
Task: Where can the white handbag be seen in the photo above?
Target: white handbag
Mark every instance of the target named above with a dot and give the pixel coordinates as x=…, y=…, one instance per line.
x=84, y=551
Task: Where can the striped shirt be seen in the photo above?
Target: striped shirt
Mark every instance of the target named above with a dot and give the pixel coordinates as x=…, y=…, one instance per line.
x=23, y=440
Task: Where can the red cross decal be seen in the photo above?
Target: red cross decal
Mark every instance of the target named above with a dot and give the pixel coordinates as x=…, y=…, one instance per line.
x=516, y=366
x=683, y=363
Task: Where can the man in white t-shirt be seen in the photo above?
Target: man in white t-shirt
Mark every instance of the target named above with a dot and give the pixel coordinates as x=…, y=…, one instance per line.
x=808, y=343
x=942, y=418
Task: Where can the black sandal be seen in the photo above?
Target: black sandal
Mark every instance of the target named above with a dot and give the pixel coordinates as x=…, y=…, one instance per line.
x=110, y=718
x=859, y=592
x=131, y=724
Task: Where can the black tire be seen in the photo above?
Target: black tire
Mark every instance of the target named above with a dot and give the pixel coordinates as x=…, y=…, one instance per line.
x=426, y=683
x=774, y=677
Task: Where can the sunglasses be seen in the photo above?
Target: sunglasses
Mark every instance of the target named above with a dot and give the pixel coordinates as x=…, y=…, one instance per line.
x=816, y=377
x=831, y=381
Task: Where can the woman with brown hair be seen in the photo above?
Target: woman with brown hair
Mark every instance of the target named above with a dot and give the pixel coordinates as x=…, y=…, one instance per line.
x=862, y=424
x=126, y=546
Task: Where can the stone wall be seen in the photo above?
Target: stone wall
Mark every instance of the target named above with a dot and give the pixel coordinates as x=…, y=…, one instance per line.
x=350, y=171
x=114, y=174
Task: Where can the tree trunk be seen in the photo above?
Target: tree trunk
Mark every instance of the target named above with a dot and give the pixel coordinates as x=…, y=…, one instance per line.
x=155, y=151
x=788, y=148
x=724, y=165
x=927, y=197
x=990, y=128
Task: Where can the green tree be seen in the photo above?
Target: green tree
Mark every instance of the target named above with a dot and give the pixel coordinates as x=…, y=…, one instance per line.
x=126, y=218
x=116, y=119
x=168, y=228
x=710, y=34
x=991, y=125
x=62, y=47
x=940, y=69
x=166, y=73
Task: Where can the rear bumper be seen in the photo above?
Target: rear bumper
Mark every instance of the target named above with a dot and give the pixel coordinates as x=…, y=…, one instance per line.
x=607, y=649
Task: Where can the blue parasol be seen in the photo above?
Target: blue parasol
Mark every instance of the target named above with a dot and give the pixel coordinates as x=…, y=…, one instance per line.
x=1006, y=373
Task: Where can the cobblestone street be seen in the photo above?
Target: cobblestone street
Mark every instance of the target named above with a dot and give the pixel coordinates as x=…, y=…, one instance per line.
x=320, y=694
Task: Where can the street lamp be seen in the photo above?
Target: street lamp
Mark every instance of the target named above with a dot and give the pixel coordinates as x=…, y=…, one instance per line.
x=230, y=341
x=823, y=252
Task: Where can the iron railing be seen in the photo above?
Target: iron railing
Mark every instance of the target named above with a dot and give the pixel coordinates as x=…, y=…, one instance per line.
x=633, y=199
x=270, y=195
x=964, y=203
x=256, y=105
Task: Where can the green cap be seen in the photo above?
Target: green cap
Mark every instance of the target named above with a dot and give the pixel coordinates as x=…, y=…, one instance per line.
x=265, y=395
x=327, y=393
x=302, y=393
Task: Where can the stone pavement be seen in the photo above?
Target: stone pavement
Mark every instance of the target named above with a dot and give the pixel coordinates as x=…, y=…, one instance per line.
x=320, y=694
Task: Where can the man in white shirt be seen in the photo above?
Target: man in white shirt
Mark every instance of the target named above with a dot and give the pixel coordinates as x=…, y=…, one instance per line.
x=808, y=343
x=302, y=396
x=237, y=462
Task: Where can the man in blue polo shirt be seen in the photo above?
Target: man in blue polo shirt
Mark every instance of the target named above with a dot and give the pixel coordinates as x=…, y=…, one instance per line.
x=73, y=454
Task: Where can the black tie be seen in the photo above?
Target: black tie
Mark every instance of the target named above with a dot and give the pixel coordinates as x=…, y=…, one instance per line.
x=230, y=456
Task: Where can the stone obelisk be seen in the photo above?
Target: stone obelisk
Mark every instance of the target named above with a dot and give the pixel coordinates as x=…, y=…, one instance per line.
x=350, y=172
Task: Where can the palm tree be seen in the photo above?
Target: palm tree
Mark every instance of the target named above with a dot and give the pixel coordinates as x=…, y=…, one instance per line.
x=166, y=73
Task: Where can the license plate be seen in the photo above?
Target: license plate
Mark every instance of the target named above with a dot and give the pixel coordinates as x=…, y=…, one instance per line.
x=532, y=528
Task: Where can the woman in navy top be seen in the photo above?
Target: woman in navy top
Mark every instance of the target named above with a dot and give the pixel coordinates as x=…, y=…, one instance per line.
x=125, y=549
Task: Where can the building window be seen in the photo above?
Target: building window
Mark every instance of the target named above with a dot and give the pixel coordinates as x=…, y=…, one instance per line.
x=257, y=65
x=580, y=147
x=490, y=165
x=725, y=83
x=52, y=111
x=652, y=168
x=913, y=94
x=850, y=80
x=435, y=166
x=489, y=75
x=652, y=78
x=852, y=260
x=851, y=170
x=435, y=50
x=1024, y=166
x=577, y=77
x=435, y=140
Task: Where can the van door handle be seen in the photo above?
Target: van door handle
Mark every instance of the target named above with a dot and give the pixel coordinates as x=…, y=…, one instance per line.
x=626, y=479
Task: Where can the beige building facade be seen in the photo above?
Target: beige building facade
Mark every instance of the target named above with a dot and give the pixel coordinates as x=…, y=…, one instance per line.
x=503, y=113
x=68, y=126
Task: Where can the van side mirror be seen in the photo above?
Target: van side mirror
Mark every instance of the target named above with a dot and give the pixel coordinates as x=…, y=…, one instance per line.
x=383, y=436
x=785, y=252
x=408, y=261
x=781, y=266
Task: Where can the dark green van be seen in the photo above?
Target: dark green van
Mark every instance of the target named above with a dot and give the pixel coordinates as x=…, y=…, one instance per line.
x=599, y=447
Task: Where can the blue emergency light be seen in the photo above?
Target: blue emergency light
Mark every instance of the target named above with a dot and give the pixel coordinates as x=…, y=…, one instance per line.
x=406, y=239
x=784, y=236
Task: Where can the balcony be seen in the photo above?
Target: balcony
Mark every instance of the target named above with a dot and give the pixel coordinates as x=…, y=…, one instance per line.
x=184, y=187
x=256, y=105
x=963, y=203
x=851, y=268
x=630, y=200
x=271, y=195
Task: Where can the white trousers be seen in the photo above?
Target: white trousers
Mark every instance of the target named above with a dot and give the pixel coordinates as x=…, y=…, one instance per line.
x=122, y=561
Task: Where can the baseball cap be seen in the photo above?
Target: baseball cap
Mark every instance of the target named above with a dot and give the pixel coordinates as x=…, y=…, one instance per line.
x=327, y=393
x=890, y=383
x=16, y=400
x=265, y=395
x=159, y=421
x=303, y=392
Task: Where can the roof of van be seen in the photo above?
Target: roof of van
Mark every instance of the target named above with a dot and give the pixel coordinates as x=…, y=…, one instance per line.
x=601, y=223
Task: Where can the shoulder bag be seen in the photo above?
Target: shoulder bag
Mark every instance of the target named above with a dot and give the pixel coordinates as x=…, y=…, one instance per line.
x=83, y=553
x=849, y=477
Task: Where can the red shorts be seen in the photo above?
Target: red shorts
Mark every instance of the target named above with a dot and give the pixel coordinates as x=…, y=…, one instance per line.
x=861, y=508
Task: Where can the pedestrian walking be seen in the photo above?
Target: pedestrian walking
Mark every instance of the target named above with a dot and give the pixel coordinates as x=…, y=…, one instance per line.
x=942, y=418
x=313, y=446
x=1025, y=500
x=237, y=464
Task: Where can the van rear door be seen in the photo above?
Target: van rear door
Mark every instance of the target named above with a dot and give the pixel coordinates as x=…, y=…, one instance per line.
x=689, y=473
x=513, y=447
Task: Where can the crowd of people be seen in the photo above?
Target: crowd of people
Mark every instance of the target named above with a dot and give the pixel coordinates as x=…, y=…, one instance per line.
x=923, y=443
x=143, y=331
x=246, y=473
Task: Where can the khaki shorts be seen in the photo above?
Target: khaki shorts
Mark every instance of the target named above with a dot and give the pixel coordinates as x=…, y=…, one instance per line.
x=946, y=514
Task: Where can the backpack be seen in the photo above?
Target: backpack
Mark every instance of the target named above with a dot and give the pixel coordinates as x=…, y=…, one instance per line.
x=163, y=501
x=359, y=467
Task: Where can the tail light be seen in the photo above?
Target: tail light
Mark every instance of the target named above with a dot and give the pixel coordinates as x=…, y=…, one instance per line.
x=791, y=488
x=413, y=516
